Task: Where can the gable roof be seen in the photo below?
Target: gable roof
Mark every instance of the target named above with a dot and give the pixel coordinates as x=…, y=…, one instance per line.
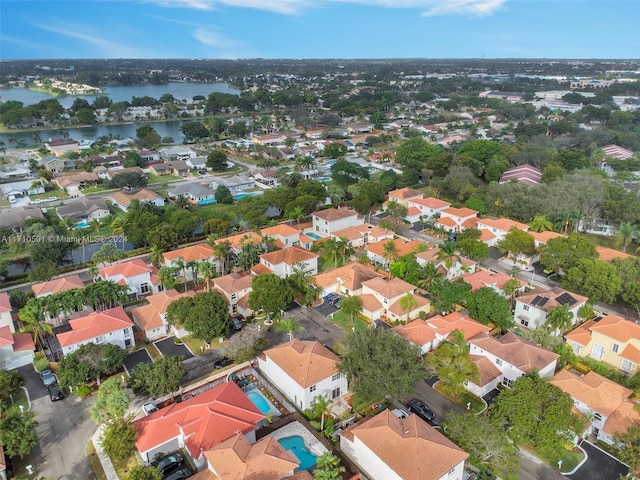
x=410, y=447
x=237, y=459
x=404, y=193
x=548, y=299
x=333, y=214
x=127, y=269
x=445, y=326
x=57, y=285
x=205, y=420
x=521, y=353
x=197, y=253
x=389, y=288
x=350, y=276
x=93, y=325
x=288, y=256
x=150, y=316
x=403, y=247
x=233, y=283
x=19, y=342
x=544, y=237
x=307, y=363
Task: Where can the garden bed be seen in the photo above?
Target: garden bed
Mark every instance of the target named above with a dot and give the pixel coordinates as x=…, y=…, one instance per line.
x=344, y=321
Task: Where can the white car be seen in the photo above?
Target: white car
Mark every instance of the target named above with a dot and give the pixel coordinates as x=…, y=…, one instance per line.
x=148, y=408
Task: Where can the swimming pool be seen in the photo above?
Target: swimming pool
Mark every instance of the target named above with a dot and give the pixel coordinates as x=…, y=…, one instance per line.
x=82, y=224
x=324, y=179
x=207, y=201
x=313, y=235
x=295, y=444
x=259, y=401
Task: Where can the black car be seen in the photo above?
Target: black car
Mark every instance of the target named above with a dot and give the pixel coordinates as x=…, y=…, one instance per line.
x=170, y=462
x=237, y=324
x=222, y=362
x=48, y=378
x=55, y=393
x=178, y=474
x=420, y=408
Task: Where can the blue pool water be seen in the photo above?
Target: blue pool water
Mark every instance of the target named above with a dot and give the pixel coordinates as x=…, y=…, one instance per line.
x=82, y=224
x=313, y=235
x=295, y=445
x=259, y=401
x=208, y=201
x=324, y=179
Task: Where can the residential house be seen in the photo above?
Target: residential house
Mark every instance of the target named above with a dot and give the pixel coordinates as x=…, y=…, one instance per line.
x=378, y=255
x=269, y=140
x=62, y=146
x=198, y=163
x=111, y=326
x=83, y=210
x=73, y=184
x=613, y=340
x=505, y=359
x=235, y=288
x=123, y=200
x=22, y=188
x=5, y=312
x=457, y=219
x=16, y=349
x=522, y=174
x=140, y=278
x=613, y=152
x=237, y=241
x=285, y=262
x=194, y=192
x=179, y=168
x=14, y=218
x=200, y=252
x=363, y=234
x=404, y=195
x=450, y=268
x=533, y=307
x=178, y=153
x=235, y=183
x=346, y=280
x=425, y=207
x=608, y=406
x=12, y=172
x=386, y=447
x=608, y=254
x=328, y=221
x=152, y=318
x=302, y=371
x=198, y=424
x=160, y=169
x=149, y=156
x=494, y=280
x=540, y=239
x=429, y=333
x=382, y=299
x=112, y=173
x=284, y=235
x=499, y=228
x=267, y=177
x=57, y=285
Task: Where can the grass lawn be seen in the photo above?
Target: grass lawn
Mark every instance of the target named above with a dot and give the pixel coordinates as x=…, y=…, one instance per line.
x=94, y=190
x=154, y=353
x=571, y=459
x=329, y=263
x=21, y=472
x=462, y=400
x=197, y=346
x=154, y=179
x=344, y=321
x=95, y=462
x=223, y=211
x=122, y=468
x=20, y=399
x=57, y=192
x=609, y=242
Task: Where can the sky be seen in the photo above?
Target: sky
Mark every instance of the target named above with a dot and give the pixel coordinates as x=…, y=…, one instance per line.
x=35, y=29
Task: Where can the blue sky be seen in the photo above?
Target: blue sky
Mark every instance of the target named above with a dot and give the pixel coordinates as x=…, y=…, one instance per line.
x=34, y=29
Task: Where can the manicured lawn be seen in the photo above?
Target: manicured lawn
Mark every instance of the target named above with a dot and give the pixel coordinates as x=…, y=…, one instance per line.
x=122, y=468
x=476, y=404
x=94, y=190
x=58, y=193
x=224, y=211
x=154, y=179
x=95, y=462
x=571, y=459
x=329, y=263
x=344, y=321
x=197, y=346
x=150, y=348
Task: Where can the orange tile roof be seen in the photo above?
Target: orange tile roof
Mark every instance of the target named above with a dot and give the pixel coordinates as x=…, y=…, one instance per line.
x=504, y=224
x=288, y=256
x=23, y=342
x=150, y=316
x=350, y=276
x=57, y=285
x=369, y=302
x=599, y=393
x=485, y=278
x=631, y=353
x=198, y=253
x=335, y=214
x=280, y=230
x=470, y=223
x=354, y=233
x=445, y=326
x=389, y=288
x=127, y=269
x=404, y=193
x=417, y=331
x=233, y=283
x=411, y=448
x=617, y=328
x=5, y=304
x=623, y=417
x=431, y=202
x=307, y=363
x=237, y=459
x=260, y=268
x=429, y=255
x=521, y=353
x=306, y=239
x=397, y=309
x=6, y=336
x=403, y=247
x=608, y=254
x=460, y=212
x=447, y=222
x=581, y=334
x=486, y=235
x=412, y=211
x=93, y=325
x=237, y=241
x=487, y=370
x=552, y=296
x=205, y=420
x=544, y=237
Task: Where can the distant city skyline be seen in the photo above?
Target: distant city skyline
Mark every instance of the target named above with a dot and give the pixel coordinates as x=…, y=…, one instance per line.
x=35, y=29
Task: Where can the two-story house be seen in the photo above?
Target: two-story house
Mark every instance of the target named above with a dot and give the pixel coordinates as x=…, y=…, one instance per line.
x=111, y=326
x=199, y=253
x=57, y=285
x=364, y=234
x=404, y=195
x=608, y=406
x=613, y=340
x=494, y=280
x=454, y=219
x=378, y=253
x=425, y=208
x=152, y=318
x=16, y=349
x=451, y=268
x=140, y=278
x=386, y=447
x=505, y=359
x=382, y=299
x=533, y=307
x=303, y=371
x=285, y=262
x=346, y=280
x=284, y=235
x=235, y=288
x=328, y=221
x=499, y=228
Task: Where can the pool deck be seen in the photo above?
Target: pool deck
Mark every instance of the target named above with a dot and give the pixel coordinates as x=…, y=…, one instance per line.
x=296, y=428
x=272, y=409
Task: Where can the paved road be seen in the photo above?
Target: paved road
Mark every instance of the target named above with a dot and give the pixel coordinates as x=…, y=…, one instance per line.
x=64, y=431
x=599, y=466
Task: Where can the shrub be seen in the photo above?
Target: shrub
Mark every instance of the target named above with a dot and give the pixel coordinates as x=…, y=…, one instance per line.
x=83, y=391
x=40, y=362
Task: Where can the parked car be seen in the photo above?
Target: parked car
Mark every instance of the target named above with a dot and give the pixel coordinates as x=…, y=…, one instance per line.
x=148, y=408
x=237, y=324
x=178, y=474
x=170, y=462
x=222, y=362
x=47, y=377
x=55, y=393
x=421, y=409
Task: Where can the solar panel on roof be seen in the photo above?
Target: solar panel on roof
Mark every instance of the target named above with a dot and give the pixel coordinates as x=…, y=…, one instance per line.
x=539, y=301
x=565, y=298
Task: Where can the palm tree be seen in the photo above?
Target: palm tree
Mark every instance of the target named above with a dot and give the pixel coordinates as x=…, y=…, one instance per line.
x=33, y=321
x=390, y=251
x=540, y=224
x=408, y=303
x=207, y=271
x=222, y=250
x=93, y=271
x=156, y=256
x=559, y=318
x=192, y=266
x=289, y=325
x=296, y=213
x=625, y=233
x=510, y=287
x=343, y=248
x=117, y=229
x=95, y=226
x=448, y=254
x=328, y=467
x=269, y=243
x=167, y=277
x=428, y=274
x=330, y=249
x=181, y=202
x=180, y=267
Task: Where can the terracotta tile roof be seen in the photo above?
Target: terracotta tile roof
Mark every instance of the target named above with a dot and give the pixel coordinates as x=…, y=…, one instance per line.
x=608, y=254
x=350, y=276
x=307, y=363
x=288, y=256
x=486, y=235
x=429, y=255
x=417, y=331
x=237, y=459
x=127, y=269
x=5, y=304
x=404, y=193
x=431, y=202
x=485, y=278
x=599, y=393
x=335, y=214
x=150, y=316
x=57, y=285
x=303, y=475
x=409, y=447
x=397, y=309
x=6, y=336
x=237, y=241
x=306, y=239
x=93, y=325
x=556, y=293
x=521, y=353
x=445, y=326
x=280, y=230
x=204, y=420
x=233, y=283
x=23, y=342
x=631, y=353
x=359, y=231
x=260, y=268
x=581, y=334
x=412, y=211
x=617, y=328
x=404, y=247
x=544, y=237
x=470, y=223
x=369, y=302
x=198, y=253
x=447, y=222
x=389, y=288
x=460, y=212
x=487, y=370
x=503, y=224
x=623, y=417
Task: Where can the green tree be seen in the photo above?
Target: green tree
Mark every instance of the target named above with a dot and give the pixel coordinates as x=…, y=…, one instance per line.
x=346, y=173
x=562, y=253
x=328, y=467
x=445, y=295
x=33, y=320
x=159, y=378
x=351, y=305
x=270, y=293
x=18, y=432
x=540, y=224
x=167, y=277
x=559, y=318
x=408, y=303
x=335, y=150
x=242, y=346
x=140, y=472
x=147, y=136
x=86, y=116
x=628, y=447
x=90, y=362
x=595, y=279
x=119, y=439
x=378, y=362
x=625, y=233
x=10, y=383
x=223, y=195
x=538, y=413
x=207, y=271
x=485, y=442
x=289, y=325
x=488, y=306
x=217, y=161
x=194, y=131
x=112, y=402
x=517, y=242
x=452, y=364
x=205, y=315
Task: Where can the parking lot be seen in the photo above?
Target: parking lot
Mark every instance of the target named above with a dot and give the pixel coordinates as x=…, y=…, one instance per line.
x=325, y=308
x=168, y=347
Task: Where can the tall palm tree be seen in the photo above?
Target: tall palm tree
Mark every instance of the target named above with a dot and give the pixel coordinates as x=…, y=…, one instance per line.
x=156, y=256
x=296, y=213
x=207, y=271
x=192, y=266
x=289, y=325
x=33, y=321
x=330, y=249
x=222, y=250
x=540, y=224
x=448, y=254
x=428, y=274
x=625, y=233
x=408, y=303
x=93, y=271
x=117, y=226
x=559, y=319
x=180, y=267
x=344, y=248
x=390, y=251
x=167, y=277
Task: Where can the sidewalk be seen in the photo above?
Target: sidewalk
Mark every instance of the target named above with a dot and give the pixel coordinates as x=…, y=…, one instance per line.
x=107, y=466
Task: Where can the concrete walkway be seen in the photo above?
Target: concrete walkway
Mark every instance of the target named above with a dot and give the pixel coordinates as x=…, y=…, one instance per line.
x=107, y=466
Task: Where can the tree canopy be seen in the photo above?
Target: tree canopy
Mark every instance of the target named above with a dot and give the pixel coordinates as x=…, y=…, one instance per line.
x=270, y=293
x=488, y=306
x=205, y=315
x=158, y=378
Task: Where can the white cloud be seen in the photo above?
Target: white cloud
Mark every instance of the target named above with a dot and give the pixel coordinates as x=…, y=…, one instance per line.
x=211, y=38
x=106, y=48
